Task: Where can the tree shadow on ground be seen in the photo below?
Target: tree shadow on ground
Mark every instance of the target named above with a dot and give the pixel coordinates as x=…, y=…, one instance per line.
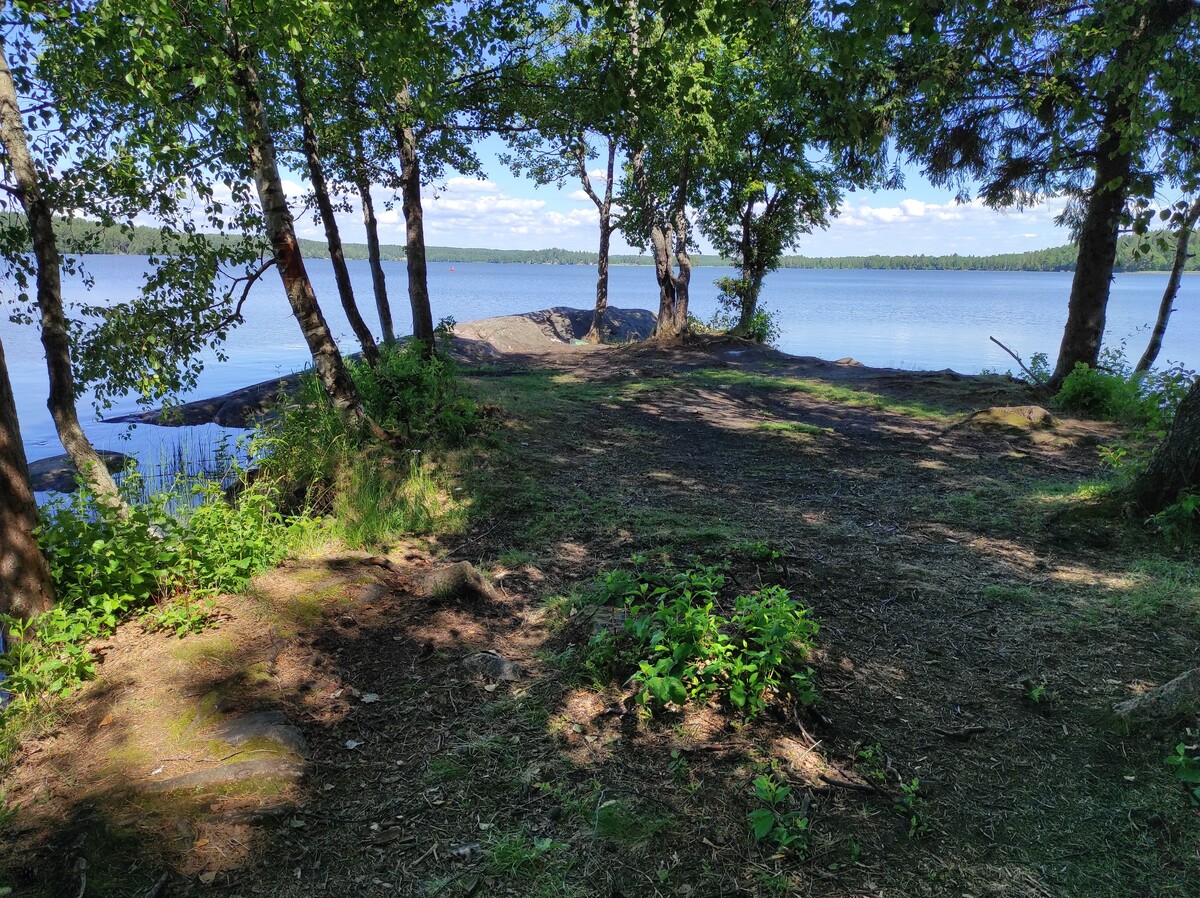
x=942, y=610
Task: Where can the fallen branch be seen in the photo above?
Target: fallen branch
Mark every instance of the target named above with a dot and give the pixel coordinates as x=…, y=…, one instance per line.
x=846, y=784
x=963, y=734
x=1038, y=381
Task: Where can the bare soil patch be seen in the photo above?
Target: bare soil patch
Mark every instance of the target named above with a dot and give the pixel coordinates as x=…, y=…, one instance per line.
x=973, y=639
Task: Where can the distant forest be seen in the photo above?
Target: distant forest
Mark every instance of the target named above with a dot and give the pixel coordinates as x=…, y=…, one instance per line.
x=80, y=236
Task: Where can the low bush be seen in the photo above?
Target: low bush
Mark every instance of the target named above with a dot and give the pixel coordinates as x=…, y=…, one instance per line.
x=683, y=647
x=1115, y=392
x=308, y=452
x=107, y=568
x=763, y=326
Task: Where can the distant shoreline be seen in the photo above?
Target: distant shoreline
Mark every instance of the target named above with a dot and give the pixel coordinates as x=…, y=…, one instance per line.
x=85, y=238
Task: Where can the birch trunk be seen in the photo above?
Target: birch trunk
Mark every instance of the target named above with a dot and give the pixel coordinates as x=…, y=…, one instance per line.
x=281, y=232
x=55, y=337
x=1167, y=306
x=316, y=172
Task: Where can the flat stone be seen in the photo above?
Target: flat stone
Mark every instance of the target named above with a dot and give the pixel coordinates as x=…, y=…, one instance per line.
x=57, y=473
x=492, y=666
x=224, y=774
x=371, y=593
x=272, y=725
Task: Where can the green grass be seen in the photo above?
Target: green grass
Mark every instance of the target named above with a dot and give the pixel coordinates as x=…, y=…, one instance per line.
x=1157, y=585
x=795, y=429
x=826, y=392
x=381, y=498
x=1019, y=596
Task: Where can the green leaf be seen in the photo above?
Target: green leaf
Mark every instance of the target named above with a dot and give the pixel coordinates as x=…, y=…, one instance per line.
x=762, y=821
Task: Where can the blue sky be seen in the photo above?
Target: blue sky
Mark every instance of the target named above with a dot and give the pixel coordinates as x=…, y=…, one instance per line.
x=501, y=211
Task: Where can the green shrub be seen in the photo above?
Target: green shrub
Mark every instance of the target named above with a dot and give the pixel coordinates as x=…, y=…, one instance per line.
x=775, y=821
x=1114, y=391
x=684, y=649
x=106, y=568
x=1106, y=395
x=763, y=326
x=306, y=449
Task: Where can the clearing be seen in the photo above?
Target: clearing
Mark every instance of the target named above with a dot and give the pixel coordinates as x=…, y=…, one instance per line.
x=975, y=630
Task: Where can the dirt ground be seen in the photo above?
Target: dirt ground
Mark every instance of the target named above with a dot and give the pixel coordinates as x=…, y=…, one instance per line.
x=978, y=620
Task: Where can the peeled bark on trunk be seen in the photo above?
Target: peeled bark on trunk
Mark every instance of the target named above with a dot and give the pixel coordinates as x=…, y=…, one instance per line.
x=414, y=228
x=55, y=338
x=25, y=587
x=1090, y=286
x=316, y=172
x=378, y=281
x=1166, y=307
x=1175, y=466
x=281, y=232
x=603, y=205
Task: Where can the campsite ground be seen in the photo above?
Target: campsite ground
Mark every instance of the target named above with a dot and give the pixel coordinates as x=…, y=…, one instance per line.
x=979, y=613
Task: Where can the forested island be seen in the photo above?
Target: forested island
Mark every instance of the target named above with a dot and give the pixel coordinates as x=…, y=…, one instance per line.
x=83, y=236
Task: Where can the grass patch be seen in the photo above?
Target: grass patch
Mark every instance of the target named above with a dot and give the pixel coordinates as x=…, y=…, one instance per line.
x=1020, y=596
x=1157, y=585
x=818, y=390
x=796, y=430
x=381, y=497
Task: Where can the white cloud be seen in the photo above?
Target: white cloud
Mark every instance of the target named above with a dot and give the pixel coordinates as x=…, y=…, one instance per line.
x=459, y=184
x=912, y=225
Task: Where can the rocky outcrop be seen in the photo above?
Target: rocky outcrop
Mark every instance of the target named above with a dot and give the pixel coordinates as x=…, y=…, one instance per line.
x=57, y=474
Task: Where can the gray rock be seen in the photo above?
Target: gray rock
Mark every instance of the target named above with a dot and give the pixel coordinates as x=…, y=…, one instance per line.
x=460, y=581
x=492, y=666
x=224, y=774
x=239, y=408
x=57, y=474
x=1178, y=696
x=272, y=725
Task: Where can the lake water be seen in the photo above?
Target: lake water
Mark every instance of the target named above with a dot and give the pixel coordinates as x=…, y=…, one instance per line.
x=901, y=319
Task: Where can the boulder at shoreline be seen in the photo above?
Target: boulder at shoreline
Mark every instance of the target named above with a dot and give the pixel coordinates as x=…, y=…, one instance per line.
x=475, y=342
x=57, y=474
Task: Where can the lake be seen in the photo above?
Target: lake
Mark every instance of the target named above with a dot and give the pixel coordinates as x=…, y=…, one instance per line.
x=901, y=319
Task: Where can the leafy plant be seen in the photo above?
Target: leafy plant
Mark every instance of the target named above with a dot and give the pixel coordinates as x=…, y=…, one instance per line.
x=763, y=326
x=1113, y=390
x=684, y=649
x=307, y=451
x=776, y=821
x=182, y=617
x=1181, y=519
x=910, y=805
x=48, y=655
x=1186, y=768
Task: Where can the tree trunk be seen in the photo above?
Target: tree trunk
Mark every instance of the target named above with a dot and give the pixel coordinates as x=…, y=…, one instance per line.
x=55, y=338
x=661, y=241
x=414, y=228
x=1168, y=298
x=1090, y=286
x=595, y=333
x=25, y=587
x=378, y=281
x=1175, y=466
x=281, y=232
x=752, y=277
x=316, y=171
x=682, y=280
